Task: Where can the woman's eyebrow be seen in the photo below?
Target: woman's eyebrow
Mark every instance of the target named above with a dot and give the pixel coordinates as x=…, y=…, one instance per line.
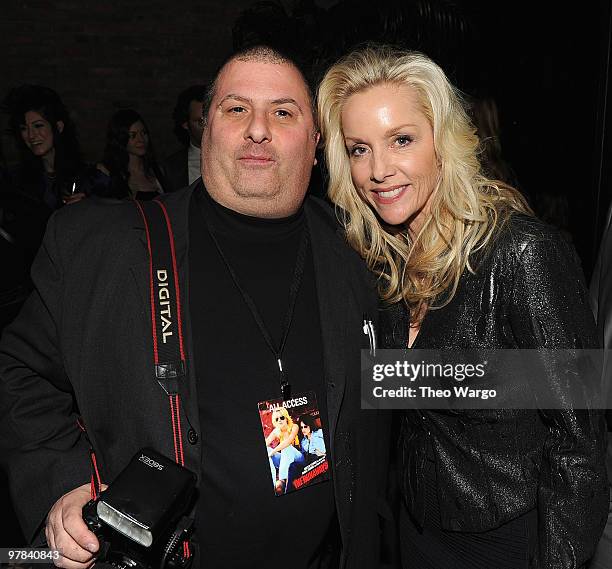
x=353, y=140
x=396, y=129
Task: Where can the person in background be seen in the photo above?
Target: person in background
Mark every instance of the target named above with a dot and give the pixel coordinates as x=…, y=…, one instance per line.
x=601, y=301
x=51, y=168
x=553, y=207
x=485, y=115
x=464, y=265
x=129, y=169
x=183, y=167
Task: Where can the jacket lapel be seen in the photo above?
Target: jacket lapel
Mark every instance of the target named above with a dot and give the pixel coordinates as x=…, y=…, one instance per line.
x=332, y=292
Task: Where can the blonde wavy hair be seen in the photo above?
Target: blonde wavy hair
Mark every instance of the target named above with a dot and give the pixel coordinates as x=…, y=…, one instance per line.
x=282, y=412
x=466, y=208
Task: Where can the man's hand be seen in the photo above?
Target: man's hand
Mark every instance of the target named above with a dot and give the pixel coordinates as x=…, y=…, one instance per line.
x=67, y=532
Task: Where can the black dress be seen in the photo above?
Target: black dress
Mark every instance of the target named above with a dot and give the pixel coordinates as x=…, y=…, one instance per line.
x=480, y=481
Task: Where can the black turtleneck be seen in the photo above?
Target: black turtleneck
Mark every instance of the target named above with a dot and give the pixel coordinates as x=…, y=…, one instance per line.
x=240, y=522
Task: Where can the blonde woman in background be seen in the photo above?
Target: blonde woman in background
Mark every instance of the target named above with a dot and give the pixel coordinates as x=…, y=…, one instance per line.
x=463, y=264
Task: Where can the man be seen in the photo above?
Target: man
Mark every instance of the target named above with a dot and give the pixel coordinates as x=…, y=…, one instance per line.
x=601, y=300
x=84, y=340
x=183, y=167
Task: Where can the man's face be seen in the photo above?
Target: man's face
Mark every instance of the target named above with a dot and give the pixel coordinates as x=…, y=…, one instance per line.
x=259, y=139
x=193, y=125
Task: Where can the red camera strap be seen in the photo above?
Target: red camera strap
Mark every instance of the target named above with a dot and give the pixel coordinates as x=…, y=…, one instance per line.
x=166, y=324
x=95, y=482
x=166, y=319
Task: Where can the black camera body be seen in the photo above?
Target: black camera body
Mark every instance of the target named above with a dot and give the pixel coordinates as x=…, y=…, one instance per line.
x=140, y=520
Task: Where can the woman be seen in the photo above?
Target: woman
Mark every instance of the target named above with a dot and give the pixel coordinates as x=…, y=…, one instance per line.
x=463, y=264
x=51, y=167
x=312, y=442
x=284, y=454
x=129, y=167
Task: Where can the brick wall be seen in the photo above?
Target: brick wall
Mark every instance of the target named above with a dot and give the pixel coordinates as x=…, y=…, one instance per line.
x=105, y=54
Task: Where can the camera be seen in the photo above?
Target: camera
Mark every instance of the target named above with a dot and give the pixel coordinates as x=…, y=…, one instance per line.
x=141, y=519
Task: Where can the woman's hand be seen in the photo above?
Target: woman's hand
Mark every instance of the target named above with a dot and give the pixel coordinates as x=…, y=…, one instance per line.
x=74, y=198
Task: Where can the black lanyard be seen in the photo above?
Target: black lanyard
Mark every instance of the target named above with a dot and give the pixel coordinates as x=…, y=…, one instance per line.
x=298, y=272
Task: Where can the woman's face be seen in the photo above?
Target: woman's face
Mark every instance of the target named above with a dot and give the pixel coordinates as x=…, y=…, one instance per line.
x=391, y=152
x=305, y=430
x=37, y=133
x=138, y=139
x=280, y=420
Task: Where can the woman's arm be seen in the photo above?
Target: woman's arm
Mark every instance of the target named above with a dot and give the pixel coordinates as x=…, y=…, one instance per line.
x=317, y=443
x=550, y=310
x=102, y=168
x=272, y=437
x=287, y=441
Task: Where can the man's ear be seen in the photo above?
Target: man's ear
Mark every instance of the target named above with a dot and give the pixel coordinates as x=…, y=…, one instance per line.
x=185, y=125
x=60, y=126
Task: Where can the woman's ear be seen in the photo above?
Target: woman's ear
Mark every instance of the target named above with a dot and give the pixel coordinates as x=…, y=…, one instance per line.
x=60, y=126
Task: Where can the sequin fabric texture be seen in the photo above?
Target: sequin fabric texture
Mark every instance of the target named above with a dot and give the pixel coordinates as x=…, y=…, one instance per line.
x=492, y=466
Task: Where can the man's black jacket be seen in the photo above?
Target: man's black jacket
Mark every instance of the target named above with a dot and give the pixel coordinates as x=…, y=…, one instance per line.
x=82, y=346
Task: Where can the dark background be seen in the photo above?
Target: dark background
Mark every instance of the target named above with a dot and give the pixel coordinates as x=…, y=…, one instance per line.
x=547, y=65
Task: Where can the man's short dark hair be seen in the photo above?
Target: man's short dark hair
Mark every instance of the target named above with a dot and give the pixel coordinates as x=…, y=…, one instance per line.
x=265, y=54
x=180, y=115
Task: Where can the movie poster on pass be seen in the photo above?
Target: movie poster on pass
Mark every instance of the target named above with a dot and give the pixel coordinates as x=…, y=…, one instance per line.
x=295, y=446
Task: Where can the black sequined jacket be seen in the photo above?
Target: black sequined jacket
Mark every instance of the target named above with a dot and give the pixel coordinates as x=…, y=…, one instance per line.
x=495, y=465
